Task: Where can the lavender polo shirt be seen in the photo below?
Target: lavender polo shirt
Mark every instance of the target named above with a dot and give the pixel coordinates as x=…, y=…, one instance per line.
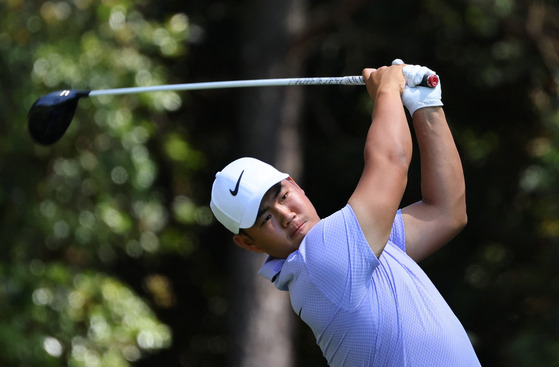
x=366, y=311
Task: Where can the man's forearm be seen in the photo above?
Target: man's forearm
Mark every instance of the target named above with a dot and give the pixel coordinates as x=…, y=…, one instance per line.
x=442, y=177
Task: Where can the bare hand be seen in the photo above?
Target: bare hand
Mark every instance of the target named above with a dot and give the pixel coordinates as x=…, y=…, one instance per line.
x=385, y=78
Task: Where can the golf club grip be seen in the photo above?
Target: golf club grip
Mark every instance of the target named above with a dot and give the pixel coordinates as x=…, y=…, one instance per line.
x=429, y=80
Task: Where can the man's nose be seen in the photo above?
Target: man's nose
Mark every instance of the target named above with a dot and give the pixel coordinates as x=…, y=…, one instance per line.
x=285, y=215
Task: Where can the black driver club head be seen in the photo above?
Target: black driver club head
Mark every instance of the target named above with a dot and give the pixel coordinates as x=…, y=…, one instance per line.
x=49, y=117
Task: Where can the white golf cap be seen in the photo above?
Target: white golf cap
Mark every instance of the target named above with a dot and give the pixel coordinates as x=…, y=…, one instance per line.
x=238, y=190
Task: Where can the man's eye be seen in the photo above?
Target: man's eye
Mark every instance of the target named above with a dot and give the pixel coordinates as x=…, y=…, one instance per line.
x=266, y=219
x=283, y=197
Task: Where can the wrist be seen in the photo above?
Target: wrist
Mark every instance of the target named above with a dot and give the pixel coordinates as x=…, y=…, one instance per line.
x=427, y=113
x=388, y=90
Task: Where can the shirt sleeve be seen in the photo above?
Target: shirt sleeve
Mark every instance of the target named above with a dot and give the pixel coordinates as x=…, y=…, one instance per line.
x=339, y=260
x=398, y=234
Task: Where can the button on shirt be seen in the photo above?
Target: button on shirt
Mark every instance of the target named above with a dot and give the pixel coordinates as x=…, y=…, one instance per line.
x=366, y=311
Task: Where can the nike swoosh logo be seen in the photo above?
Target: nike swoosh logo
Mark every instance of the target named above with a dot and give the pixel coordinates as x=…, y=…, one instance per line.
x=236, y=190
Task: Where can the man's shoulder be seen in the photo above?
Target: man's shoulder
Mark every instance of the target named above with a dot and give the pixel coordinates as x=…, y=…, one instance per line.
x=333, y=238
x=335, y=224
x=341, y=215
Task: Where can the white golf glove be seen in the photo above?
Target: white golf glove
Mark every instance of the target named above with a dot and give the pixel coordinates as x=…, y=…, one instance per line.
x=415, y=96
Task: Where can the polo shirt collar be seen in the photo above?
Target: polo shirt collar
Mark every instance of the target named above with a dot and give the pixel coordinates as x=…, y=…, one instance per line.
x=271, y=268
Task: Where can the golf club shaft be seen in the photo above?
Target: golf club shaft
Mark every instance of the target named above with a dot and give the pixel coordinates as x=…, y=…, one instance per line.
x=345, y=80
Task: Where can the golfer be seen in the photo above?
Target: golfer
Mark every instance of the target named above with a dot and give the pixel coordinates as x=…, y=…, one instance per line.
x=353, y=276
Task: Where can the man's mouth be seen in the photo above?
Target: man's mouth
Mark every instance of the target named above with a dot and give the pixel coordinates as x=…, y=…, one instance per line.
x=297, y=230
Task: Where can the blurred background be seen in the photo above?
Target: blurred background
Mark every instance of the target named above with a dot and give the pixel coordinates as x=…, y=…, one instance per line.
x=110, y=254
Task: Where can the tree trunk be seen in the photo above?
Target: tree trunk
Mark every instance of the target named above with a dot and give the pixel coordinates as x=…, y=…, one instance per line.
x=262, y=316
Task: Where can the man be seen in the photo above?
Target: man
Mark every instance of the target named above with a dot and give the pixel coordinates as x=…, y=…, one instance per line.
x=353, y=276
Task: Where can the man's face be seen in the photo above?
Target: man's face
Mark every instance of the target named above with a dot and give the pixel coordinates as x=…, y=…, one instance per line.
x=284, y=218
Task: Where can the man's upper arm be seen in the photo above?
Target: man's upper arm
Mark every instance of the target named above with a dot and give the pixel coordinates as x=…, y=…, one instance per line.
x=427, y=229
x=376, y=201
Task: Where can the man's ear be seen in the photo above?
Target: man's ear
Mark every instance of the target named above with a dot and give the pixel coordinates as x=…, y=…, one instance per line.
x=246, y=242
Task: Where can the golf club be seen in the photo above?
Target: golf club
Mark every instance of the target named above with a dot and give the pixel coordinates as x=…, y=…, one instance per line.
x=49, y=117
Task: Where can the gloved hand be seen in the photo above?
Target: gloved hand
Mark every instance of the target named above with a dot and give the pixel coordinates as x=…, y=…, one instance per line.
x=414, y=96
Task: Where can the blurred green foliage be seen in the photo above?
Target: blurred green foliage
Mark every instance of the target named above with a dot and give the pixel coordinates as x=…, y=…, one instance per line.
x=87, y=318
x=110, y=254
x=71, y=210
